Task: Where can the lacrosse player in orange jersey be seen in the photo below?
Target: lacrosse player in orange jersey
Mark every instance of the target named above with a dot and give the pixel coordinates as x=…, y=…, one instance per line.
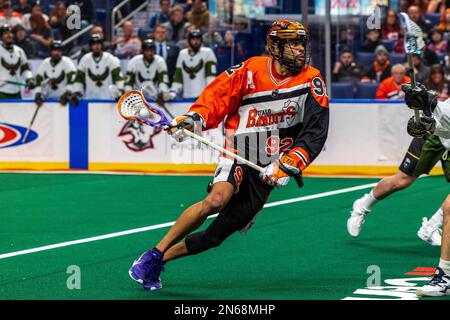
x=276, y=115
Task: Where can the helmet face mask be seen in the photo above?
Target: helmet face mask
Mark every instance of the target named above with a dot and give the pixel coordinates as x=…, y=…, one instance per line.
x=96, y=44
x=195, y=35
x=148, y=49
x=6, y=34
x=288, y=43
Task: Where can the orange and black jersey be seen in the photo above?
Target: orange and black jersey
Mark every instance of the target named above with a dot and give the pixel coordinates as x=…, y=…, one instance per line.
x=266, y=115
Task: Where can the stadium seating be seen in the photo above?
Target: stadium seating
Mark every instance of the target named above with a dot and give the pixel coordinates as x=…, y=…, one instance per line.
x=366, y=90
x=345, y=90
x=397, y=58
x=365, y=58
x=441, y=57
x=389, y=44
x=434, y=18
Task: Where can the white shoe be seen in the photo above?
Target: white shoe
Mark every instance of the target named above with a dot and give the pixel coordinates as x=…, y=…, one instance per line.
x=430, y=233
x=357, y=218
x=438, y=286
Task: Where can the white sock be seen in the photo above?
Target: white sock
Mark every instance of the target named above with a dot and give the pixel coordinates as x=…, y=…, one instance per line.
x=445, y=265
x=437, y=218
x=368, y=201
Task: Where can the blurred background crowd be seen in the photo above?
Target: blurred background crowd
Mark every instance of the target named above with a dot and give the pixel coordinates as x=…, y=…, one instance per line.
x=367, y=63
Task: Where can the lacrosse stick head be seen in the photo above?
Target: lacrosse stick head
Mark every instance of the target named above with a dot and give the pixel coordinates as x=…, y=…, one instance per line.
x=413, y=35
x=132, y=105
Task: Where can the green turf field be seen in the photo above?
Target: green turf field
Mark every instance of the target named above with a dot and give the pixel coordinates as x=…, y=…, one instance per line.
x=299, y=250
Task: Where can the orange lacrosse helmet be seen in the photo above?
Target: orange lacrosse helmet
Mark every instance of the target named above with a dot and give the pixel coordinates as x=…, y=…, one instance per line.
x=282, y=33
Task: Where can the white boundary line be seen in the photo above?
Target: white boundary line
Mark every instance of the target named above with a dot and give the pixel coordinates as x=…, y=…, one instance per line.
x=168, y=224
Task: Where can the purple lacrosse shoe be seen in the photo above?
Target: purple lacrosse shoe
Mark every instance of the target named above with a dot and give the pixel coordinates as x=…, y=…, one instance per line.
x=147, y=268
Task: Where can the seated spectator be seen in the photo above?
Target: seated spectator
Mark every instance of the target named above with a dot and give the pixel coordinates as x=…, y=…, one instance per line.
x=436, y=81
x=420, y=69
x=436, y=6
x=424, y=24
x=372, y=41
x=390, y=88
x=175, y=25
x=428, y=56
x=23, y=41
x=228, y=39
x=36, y=10
x=183, y=44
x=168, y=50
x=390, y=28
x=40, y=34
x=198, y=15
x=22, y=7
x=107, y=47
x=9, y=16
x=381, y=67
x=444, y=25
x=346, y=69
x=437, y=42
x=58, y=20
x=422, y=5
x=128, y=45
x=162, y=16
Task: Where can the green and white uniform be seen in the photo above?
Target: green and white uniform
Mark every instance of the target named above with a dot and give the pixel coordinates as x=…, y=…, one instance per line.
x=13, y=67
x=61, y=75
x=140, y=72
x=194, y=71
x=95, y=75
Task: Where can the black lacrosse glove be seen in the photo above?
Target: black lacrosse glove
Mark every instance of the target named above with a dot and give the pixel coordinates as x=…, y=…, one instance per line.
x=39, y=99
x=423, y=129
x=419, y=98
x=30, y=84
x=65, y=98
x=75, y=99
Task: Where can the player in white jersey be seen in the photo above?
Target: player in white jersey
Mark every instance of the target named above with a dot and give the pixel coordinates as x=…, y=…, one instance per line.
x=437, y=122
x=55, y=76
x=14, y=66
x=148, y=69
x=99, y=75
x=196, y=67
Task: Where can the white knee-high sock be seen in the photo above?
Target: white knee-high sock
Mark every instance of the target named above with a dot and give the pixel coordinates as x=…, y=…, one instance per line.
x=368, y=200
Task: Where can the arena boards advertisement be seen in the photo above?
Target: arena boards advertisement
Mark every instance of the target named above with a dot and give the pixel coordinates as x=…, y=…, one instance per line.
x=116, y=144
x=363, y=139
x=47, y=144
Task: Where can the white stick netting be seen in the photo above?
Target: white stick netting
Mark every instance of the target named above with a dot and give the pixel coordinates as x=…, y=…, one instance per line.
x=132, y=105
x=412, y=30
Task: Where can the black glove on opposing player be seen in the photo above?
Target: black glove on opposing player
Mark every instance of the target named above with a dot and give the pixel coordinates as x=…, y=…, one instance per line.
x=30, y=84
x=419, y=98
x=39, y=99
x=75, y=99
x=66, y=96
x=422, y=129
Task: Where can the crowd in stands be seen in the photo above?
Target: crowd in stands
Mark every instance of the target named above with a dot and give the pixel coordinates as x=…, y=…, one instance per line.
x=374, y=69
x=379, y=67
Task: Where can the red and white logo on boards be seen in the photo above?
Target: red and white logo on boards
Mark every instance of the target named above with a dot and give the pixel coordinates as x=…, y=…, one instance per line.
x=12, y=135
x=137, y=136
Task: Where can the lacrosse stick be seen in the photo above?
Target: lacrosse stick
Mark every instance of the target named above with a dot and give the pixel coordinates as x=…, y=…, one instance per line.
x=412, y=42
x=16, y=83
x=45, y=86
x=151, y=91
x=132, y=106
